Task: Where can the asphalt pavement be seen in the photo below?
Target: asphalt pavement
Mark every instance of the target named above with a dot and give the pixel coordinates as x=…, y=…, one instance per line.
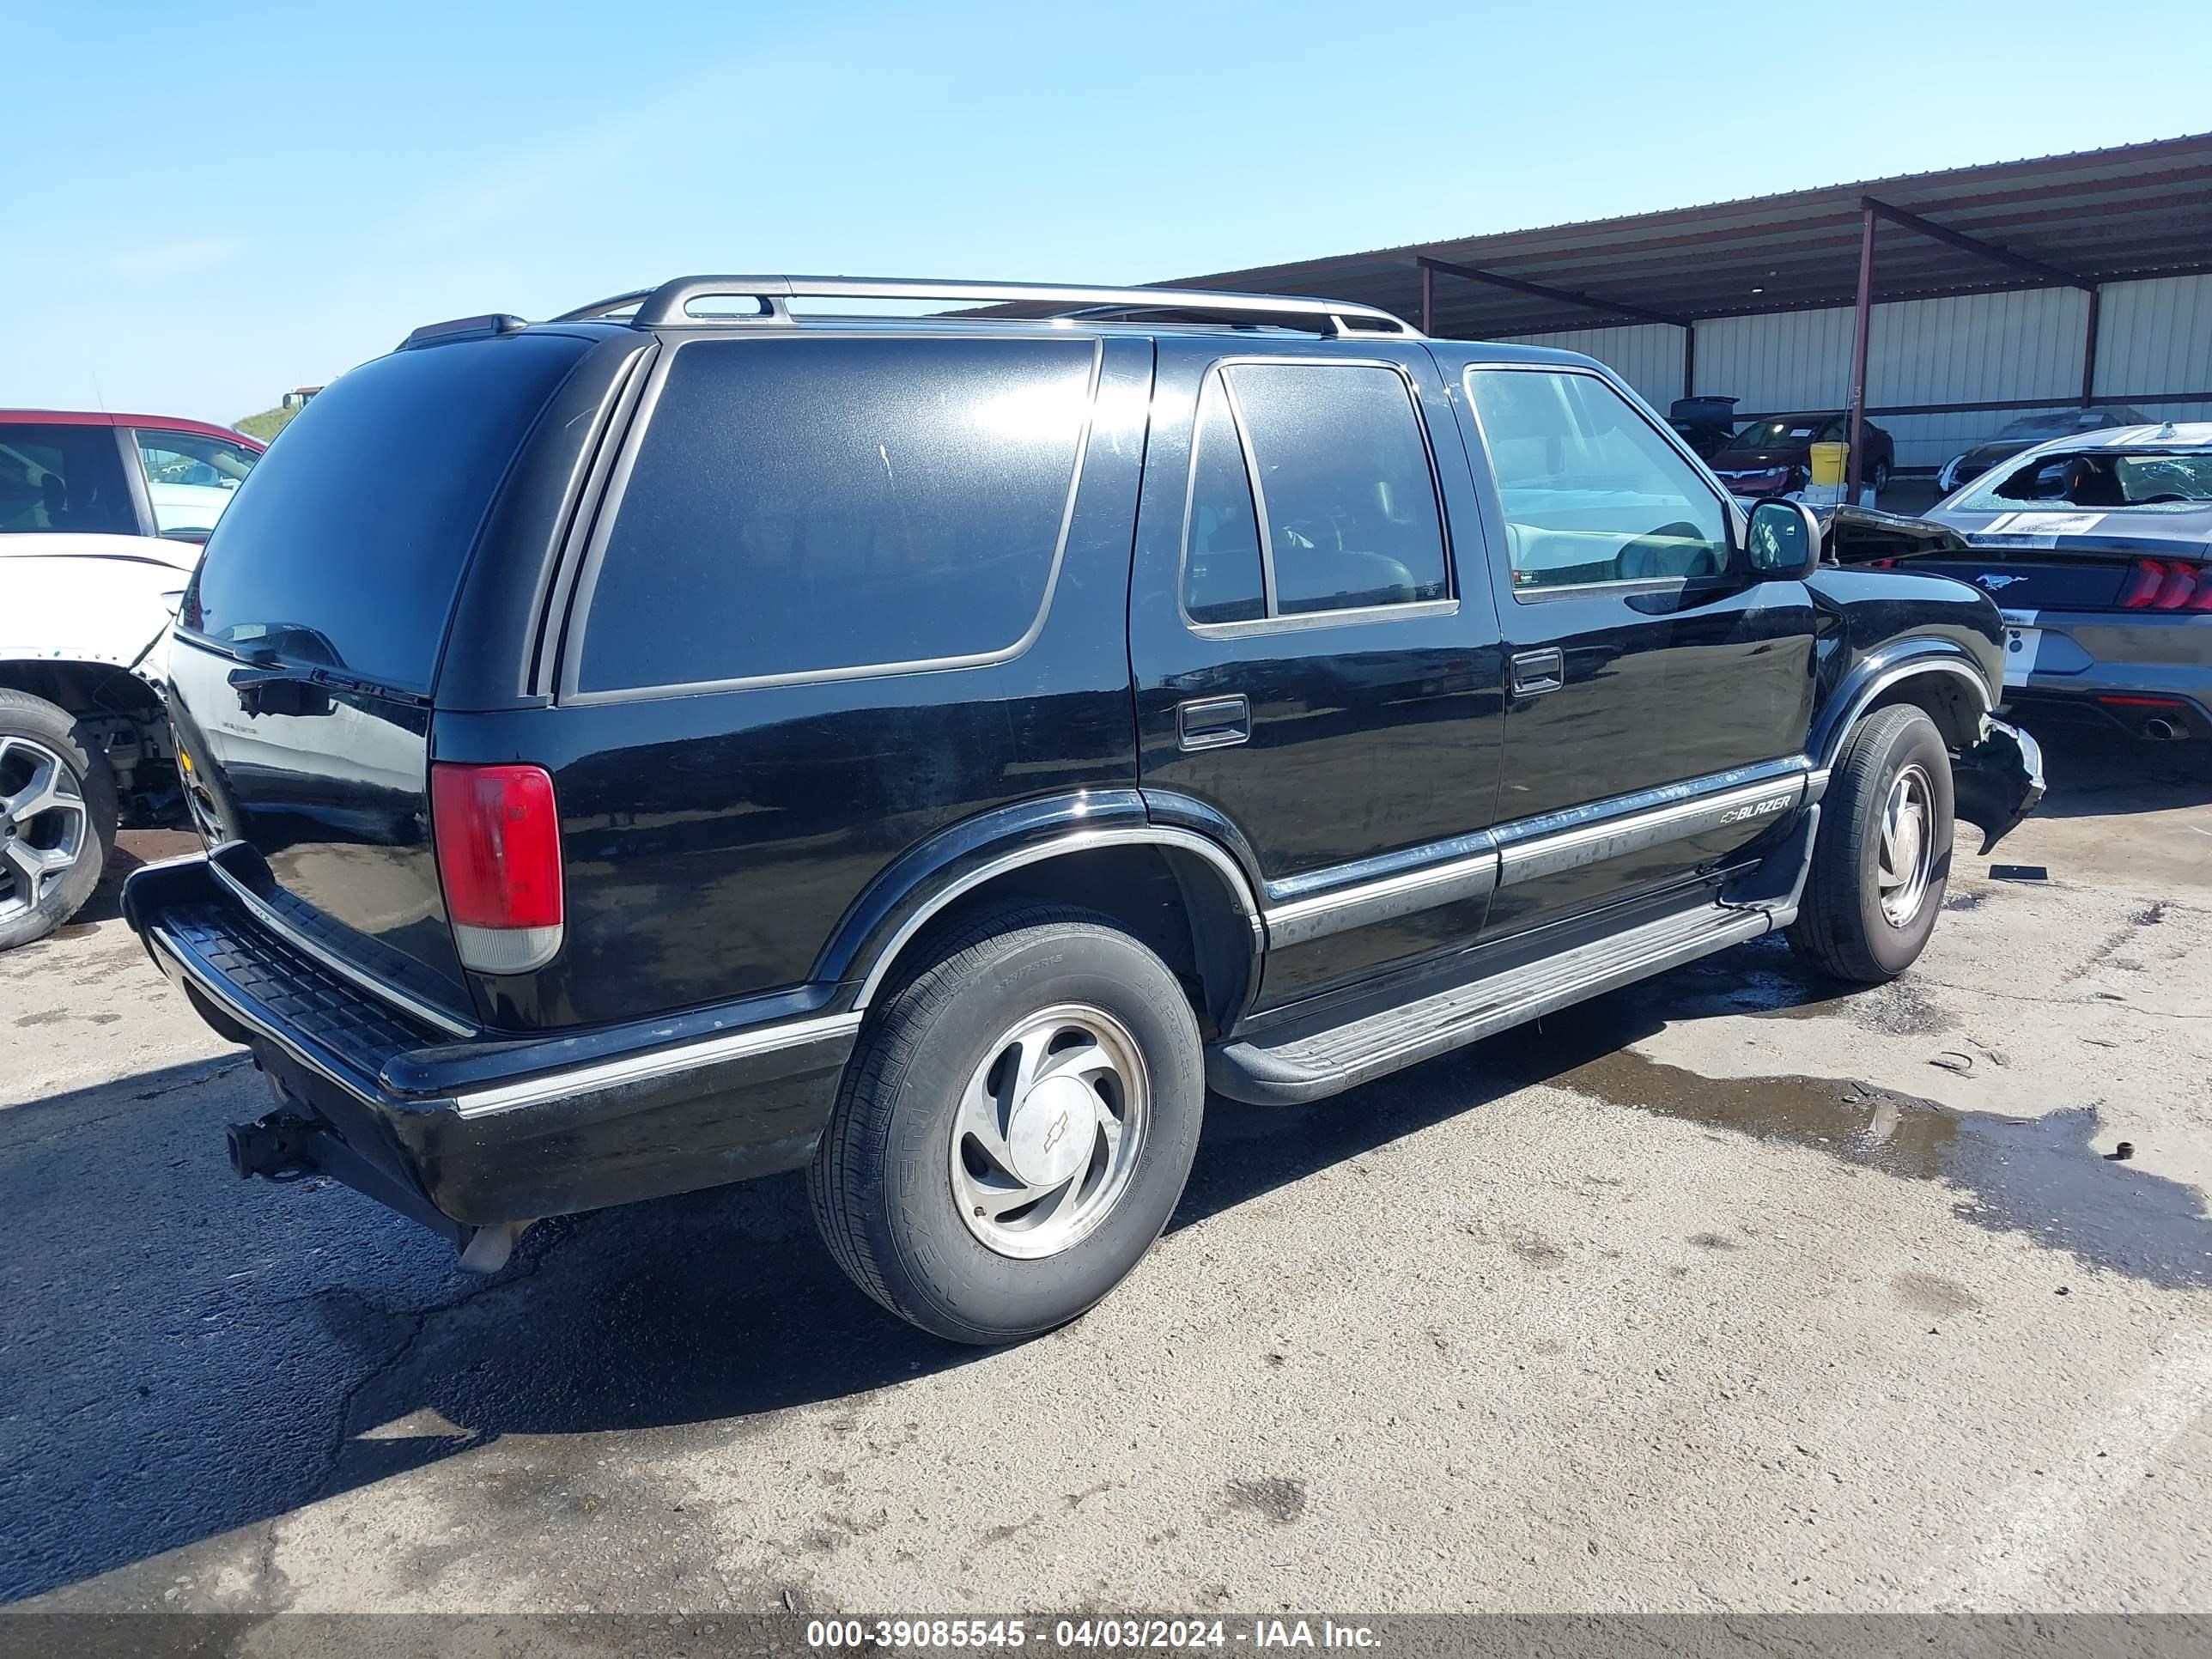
x=1727, y=1292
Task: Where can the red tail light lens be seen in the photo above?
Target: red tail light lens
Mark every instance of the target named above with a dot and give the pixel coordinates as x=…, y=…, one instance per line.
x=2173, y=592
x=2143, y=586
x=498, y=839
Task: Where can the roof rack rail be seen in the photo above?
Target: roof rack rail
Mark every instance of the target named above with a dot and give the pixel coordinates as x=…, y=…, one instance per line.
x=670, y=304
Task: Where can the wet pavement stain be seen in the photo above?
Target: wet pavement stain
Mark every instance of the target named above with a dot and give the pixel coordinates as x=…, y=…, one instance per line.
x=2043, y=1177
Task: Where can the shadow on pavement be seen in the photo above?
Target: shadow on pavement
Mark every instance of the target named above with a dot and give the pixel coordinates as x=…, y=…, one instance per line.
x=189, y=1354
x=2095, y=770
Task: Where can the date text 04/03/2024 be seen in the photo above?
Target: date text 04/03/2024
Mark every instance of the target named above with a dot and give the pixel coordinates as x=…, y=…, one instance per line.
x=1108, y=1634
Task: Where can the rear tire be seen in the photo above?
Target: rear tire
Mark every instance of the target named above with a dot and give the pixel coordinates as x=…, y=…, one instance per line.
x=1883, y=854
x=57, y=817
x=1043, y=1052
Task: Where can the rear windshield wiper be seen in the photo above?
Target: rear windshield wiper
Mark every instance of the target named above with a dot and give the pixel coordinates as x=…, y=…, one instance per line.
x=270, y=685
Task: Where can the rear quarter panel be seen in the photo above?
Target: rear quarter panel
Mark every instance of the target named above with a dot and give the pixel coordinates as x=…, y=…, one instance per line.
x=713, y=840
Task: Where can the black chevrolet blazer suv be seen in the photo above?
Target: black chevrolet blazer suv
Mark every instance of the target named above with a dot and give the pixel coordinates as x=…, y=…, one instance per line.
x=719, y=731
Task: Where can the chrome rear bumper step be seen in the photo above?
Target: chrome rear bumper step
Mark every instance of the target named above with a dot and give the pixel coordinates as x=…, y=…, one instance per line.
x=1301, y=1065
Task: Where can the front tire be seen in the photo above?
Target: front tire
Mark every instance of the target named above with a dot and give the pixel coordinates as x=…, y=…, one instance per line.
x=1882, y=858
x=57, y=817
x=1014, y=1128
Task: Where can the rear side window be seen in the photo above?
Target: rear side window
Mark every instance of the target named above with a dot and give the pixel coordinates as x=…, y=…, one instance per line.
x=815, y=506
x=1333, y=457
x=63, y=477
x=348, y=543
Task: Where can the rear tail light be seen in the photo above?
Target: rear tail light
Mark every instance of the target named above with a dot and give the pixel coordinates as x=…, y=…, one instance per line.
x=2167, y=584
x=498, y=840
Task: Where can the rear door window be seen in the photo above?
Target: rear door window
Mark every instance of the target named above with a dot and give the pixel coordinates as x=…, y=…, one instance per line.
x=1311, y=491
x=348, y=544
x=828, y=506
x=54, y=477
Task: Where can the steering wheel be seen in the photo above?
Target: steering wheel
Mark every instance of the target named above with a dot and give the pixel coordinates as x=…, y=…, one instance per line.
x=2154, y=500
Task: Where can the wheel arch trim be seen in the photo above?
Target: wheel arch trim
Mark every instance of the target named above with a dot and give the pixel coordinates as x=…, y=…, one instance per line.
x=880, y=957
x=1883, y=671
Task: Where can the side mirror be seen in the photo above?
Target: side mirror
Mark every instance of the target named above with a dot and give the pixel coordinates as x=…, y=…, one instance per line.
x=1782, y=543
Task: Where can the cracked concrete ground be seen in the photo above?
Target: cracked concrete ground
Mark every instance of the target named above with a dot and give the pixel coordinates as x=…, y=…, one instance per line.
x=1727, y=1292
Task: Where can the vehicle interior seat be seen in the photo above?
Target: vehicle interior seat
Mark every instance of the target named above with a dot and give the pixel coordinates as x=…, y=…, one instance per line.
x=2088, y=484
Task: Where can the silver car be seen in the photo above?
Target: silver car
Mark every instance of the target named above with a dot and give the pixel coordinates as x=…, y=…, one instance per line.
x=2098, y=548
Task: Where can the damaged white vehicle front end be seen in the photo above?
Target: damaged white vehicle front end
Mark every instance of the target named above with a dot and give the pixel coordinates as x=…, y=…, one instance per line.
x=85, y=744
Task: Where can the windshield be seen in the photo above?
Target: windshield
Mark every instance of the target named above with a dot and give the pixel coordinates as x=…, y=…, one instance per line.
x=2103, y=478
x=1780, y=432
x=2044, y=426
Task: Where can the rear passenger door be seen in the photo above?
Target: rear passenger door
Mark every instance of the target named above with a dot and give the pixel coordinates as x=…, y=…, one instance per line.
x=1655, y=688
x=1316, y=647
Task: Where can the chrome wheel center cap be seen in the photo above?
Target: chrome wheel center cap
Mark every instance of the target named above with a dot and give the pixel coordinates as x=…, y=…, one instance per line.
x=1049, y=1135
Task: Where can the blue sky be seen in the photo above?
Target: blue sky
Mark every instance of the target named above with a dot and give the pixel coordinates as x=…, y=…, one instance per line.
x=213, y=205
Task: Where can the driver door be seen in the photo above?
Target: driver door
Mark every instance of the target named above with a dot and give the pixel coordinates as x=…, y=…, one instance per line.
x=1647, y=666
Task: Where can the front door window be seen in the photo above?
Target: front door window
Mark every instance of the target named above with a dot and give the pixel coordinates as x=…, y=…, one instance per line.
x=1592, y=492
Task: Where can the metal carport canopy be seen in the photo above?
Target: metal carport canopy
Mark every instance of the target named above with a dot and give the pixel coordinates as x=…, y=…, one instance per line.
x=2097, y=216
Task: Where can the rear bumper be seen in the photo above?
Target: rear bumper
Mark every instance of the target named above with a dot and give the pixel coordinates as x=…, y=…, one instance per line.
x=484, y=1130
x=2128, y=669
x=1998, y=781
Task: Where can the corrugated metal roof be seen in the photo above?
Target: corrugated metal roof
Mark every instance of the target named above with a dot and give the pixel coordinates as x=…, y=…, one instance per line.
x=2101, y=216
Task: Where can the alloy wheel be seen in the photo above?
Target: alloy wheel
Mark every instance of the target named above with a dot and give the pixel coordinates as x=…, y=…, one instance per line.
x=1907, y=855
x=1048, y=1130
x=44, y=826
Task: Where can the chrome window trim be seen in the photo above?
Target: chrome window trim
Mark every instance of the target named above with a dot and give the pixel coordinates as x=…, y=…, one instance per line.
x=1274, y=622
x=661, y=1062
x=581, y=512
x=270, y=917
x=1080, y=840
x=1666, y=434
x=1344, y=618
x=608, y=516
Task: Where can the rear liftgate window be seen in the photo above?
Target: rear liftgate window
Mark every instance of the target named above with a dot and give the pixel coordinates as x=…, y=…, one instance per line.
x=348, y=543
x=815, y=506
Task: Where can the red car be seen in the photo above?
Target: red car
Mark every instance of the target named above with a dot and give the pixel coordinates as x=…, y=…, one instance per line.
x=120, y=475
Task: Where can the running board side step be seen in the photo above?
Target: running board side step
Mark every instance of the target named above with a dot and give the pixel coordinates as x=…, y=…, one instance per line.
x=1301, y=1065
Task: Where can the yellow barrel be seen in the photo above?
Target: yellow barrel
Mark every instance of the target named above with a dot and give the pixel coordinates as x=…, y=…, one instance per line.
x=1829, y=461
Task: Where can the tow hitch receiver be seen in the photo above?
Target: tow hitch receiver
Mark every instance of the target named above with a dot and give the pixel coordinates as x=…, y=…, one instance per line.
x=277, y=1146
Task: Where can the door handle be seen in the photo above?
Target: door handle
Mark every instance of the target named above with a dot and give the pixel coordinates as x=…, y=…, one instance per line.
x=1535, y=672
x=1214, y=723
